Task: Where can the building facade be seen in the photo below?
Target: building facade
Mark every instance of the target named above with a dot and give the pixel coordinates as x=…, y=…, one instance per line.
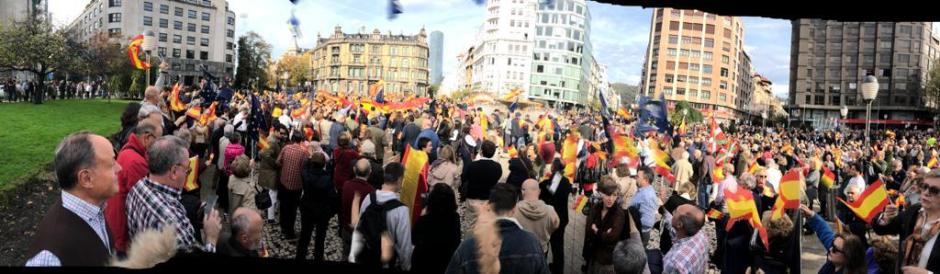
x=830, y=59
x=436, y=58
x=763, y=99
x=349, y=63
x=189, y=33
x=563, y=58
x=696, y=57
x=500, y=58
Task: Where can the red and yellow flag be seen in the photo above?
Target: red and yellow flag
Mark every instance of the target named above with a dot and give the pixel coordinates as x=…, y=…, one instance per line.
x=789, y=197
x=580, y=203
x=741, y=206
x=828, y=178
x=191, y=183
x=623, y=113
x=870, y=202
x=194, y=112
x=263, y=144
x=415, y=181
x=932, y=163
x=569, y=155
x=209, y=115
x=714, y=214
x=133, y=53
x=176, y=104
x=718, y=174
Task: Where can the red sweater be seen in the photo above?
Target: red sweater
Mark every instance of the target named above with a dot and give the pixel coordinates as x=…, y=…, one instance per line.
x=343, y=160
x=351, y=188
x=133, y=161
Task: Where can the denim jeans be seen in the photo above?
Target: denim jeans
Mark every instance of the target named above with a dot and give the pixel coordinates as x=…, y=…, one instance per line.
x=703, y=193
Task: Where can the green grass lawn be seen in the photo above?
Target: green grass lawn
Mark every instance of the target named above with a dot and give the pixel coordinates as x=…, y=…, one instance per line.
x=29, y=133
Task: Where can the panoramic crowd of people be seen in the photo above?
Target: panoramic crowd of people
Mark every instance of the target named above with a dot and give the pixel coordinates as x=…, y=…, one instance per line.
x=208, y=177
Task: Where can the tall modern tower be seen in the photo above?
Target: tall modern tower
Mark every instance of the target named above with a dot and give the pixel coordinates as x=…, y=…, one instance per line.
x=436, y=60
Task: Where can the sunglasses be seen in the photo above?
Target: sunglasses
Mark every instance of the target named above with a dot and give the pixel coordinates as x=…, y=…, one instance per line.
x=928, y=189
x=834, y=250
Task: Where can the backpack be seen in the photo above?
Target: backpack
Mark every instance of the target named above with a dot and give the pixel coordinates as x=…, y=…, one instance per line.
x=372, y=223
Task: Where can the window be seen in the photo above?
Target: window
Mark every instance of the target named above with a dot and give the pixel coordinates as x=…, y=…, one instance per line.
x=114, y=3
x=205, y=29
x=885, y=44
x=229, y=33
x=694, y=67
x=706, y=81
x=203, y=55
x=164, y=9
x=177, y=25
x=162, y=37
x=176, y=53
x=707, y=55
x=667, y=91
x=190, y=54
x=680, y=91
x=114, y=17
x=669, y=78
x=671, y=52
x=230, y=21
x=707, y=69
x=229, y=45
x=148, y=21
x=178, y=11
x=177, y=38
x=192, y=14
x=205, y=16
x=836, y=100
x=191, y=27
x=710, y=29
x=164, y=23
x=820, y=100
x=709, y=42
x=705, y=94
x=148, y=6
x=673, y=39
x=725, y=59
x=114, y=32
x=204, y=42
x=724, y=72
x=190, y=40
x=904, y=58
x=539, y=69
x=161, y=51
x=723, y=85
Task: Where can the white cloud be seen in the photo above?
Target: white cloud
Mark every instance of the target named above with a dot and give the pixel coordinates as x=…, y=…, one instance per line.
x=65, y=11
x=781, y=91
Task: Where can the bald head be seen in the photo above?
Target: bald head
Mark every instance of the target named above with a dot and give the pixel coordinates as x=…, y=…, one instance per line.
x=530, y=190
x=362, y=168
x=152, y=95
x=687, y=220
x=246, y=228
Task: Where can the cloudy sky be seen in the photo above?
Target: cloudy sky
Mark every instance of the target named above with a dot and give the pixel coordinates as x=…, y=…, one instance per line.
x=619, y=34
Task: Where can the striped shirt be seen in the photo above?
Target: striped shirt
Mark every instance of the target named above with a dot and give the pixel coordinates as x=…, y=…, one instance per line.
x=92, y=214
x=151, y=205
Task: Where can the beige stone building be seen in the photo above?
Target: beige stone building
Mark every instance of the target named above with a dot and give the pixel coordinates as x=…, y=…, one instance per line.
x=697, y=57
x=348, y=63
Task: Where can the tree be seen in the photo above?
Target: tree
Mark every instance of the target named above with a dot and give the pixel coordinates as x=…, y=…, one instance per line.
x=690, y=116
x=253, y=56
x=432, y=90
x=33, y=46
x=296, y=66
x=932, y=90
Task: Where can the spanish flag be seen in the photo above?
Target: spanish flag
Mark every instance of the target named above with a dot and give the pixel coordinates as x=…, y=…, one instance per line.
x=870, y=202
x=191, y=183
x=753, y=168
x=515, y=92
x=133, y=53
x=176, y=104
x=828, y=178
x=932, y=163
x=194, y=112
x=297, y=113
x=209, y=115
x=263, y=144
x=276, y=112
x=580, y=203
x=569, y=155
x=718, y=174
x=484, y=124
x=714, y=214
x=789, y=190
x=623, y=113
x=511, y=150
x=415, y=182
x=741, y=206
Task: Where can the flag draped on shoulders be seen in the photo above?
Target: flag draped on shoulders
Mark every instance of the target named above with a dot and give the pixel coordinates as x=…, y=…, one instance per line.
x=191, y=183
x=741, y=206
x=415, y=182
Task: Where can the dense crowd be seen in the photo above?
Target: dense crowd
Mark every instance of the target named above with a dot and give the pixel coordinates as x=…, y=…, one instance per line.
x=262, y=157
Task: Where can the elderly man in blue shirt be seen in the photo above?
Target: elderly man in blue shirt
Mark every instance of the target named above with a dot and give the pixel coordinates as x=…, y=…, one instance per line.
x=646, y=201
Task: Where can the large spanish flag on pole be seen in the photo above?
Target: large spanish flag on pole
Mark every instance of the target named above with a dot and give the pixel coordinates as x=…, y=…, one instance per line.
x=741, y=206
x=176, y=104
x=789, y=197
x=415, y=183
x=870, y=202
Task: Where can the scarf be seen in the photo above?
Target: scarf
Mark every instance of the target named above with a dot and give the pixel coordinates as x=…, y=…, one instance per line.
x=914, y=244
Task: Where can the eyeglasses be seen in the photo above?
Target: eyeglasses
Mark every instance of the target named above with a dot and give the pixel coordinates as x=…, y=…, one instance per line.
x=835, y=249
x=928, y=189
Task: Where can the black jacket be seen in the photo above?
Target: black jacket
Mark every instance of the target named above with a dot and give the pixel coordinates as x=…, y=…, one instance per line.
x=519, y=170
x=903, y=226
x=435, y=239
x=520, y=252
x=558, y=200
x=481, y=176
x=319, y=196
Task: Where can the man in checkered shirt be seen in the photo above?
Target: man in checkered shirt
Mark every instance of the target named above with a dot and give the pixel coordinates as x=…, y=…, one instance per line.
x=689, y=253
x=155, y=200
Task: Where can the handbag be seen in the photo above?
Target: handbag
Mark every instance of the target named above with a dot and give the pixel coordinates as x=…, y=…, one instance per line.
x=262, y=198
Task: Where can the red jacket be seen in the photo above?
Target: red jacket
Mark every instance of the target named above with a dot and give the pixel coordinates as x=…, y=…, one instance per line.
x=353, y=186
x=133, y=161
x=343, y=160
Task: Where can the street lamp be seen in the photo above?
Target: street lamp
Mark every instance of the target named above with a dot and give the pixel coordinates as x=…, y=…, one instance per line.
x=869, y=92
x=844, y=111
x=149, y=44
x=763, y=117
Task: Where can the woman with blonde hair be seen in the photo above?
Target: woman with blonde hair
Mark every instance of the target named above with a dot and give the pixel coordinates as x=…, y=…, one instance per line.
x=240, y=186
x=444, y=169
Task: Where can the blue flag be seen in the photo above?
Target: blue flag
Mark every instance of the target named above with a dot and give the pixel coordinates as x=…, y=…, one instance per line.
x=480, y=2
x=604, y=111
x=394, y=9
x=294, y=25
x=513, y=106
x=380, y=96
